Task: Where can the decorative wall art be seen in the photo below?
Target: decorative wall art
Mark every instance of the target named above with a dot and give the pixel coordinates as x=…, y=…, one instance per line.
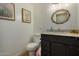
x=26, y=16
x=7, y=11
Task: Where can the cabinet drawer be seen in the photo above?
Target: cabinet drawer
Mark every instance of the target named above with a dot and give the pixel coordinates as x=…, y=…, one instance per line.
x=58, y=38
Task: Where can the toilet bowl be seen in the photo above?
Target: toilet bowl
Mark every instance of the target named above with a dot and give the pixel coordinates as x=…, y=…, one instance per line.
x=31, y=47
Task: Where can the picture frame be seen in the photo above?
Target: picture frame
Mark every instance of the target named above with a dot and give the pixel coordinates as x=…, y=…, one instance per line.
x=7, y=11
x=26, y=16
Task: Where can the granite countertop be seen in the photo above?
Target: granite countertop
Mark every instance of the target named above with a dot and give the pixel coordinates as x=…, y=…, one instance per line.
x=62, y=34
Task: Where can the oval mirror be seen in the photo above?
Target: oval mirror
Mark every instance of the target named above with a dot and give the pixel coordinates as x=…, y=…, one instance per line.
x=60, y=16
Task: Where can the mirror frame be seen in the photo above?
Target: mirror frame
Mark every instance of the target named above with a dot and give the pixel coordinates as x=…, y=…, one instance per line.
x=59, y=11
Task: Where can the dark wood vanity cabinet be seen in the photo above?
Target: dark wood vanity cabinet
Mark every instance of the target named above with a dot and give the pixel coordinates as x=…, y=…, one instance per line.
x=56, y=45
x=72, y=50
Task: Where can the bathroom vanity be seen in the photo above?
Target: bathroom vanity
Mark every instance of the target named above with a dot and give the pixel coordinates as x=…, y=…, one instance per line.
x=59, y=44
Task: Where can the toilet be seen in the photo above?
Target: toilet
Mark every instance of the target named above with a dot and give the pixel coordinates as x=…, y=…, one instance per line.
x=31, y=47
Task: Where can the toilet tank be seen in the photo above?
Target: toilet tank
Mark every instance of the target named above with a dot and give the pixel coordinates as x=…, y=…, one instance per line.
x=36, y=38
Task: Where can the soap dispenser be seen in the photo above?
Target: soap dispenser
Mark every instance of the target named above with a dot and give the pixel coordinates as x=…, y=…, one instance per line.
x=51, y=29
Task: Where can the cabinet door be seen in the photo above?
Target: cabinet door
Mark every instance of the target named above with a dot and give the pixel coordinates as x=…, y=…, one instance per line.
x=45, y=48
x=72, y=50
x=58, y=49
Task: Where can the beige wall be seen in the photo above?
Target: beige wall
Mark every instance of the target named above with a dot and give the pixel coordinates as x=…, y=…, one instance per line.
x=42, y=17
x=14, y=35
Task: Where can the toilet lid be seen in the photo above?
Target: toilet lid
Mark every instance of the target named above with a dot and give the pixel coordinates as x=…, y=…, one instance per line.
x=32, y=46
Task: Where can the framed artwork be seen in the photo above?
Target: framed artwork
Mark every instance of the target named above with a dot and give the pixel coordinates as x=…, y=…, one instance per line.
x=26, y=16
x=7, y=11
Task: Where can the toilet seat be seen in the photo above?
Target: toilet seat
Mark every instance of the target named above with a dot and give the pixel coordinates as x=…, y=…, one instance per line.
x=32, y=46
